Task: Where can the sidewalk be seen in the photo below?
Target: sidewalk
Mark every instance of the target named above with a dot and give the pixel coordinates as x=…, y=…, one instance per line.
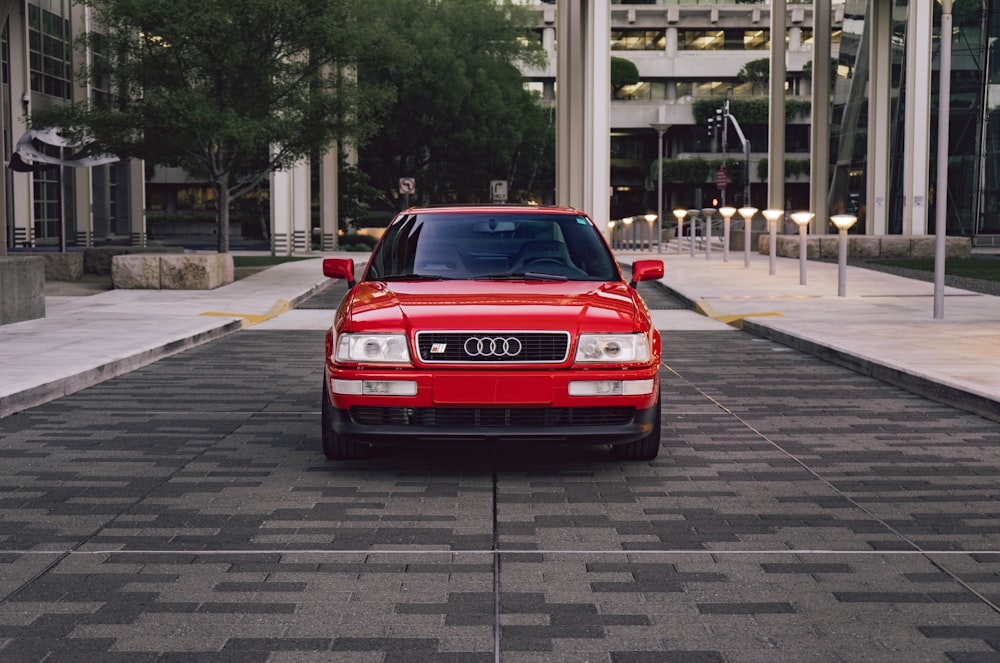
x=884, y=327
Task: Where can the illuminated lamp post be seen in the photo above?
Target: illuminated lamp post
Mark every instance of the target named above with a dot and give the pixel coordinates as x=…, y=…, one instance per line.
x=772, y=216
x=802, y=220
x=843, y=223
x=692, y=228
x=747, y=214
x=680, y=214
x=630, y=231
x=660, y=129
x=649, y=219
x=727, y=215
x=611, y=231
x=708, y=213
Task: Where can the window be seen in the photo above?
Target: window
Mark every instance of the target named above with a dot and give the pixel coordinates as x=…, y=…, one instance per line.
x=46, y=183
x=638, y=40
x=49, y=53
x=723, y=40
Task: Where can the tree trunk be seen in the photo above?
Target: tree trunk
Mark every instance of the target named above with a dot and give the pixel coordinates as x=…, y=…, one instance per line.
x=222, y=213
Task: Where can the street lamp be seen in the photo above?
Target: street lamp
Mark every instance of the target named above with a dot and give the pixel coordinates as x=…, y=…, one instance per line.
x=747, y=214
x=843, y=222
x=941, y=195
x=680, y=214
x=629, y=231
x=692, y=228
x=802, y=220
x=649, y=219
x=772, y=216
x=727, y=214
x=660, y=129
x=611, y=231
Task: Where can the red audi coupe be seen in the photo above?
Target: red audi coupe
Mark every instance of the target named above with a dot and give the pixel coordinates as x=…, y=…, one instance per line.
x=478, y=325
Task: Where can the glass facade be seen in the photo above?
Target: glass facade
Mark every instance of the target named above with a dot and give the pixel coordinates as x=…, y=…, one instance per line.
x=973, y=195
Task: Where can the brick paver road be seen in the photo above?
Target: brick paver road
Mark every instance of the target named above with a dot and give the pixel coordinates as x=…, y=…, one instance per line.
x=798, y=512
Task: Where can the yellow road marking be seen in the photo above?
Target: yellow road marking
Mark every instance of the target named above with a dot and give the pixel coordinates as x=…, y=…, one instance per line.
x=706, y=309
x=249, y=319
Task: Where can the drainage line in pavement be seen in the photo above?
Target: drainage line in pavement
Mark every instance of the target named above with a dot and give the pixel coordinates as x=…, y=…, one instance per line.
x=916, y=547
x=496, y=570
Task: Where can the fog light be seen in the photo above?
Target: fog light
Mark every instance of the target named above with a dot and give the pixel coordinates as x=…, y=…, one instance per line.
x=595, y=388
x=390, y=388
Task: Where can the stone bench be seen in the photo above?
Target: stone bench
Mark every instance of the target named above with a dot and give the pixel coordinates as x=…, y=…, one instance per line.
x=22, y=296
x=97, y=259
x=203, y=271
x=63, y=266
x=827, y=247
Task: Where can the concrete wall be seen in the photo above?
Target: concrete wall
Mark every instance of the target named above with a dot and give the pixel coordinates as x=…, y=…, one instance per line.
x=22, y=288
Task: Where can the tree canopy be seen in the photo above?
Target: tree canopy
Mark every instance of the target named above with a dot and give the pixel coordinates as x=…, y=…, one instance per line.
x=228, y=90
x=623, y=73
x=462, y=116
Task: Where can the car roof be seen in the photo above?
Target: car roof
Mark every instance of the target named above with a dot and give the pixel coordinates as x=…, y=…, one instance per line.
x=492, y=208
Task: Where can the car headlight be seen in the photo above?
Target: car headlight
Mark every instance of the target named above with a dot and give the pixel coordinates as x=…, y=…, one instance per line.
x=613, y=348
x=373, y=348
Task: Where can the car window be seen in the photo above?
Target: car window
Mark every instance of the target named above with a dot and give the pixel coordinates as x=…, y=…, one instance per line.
x=492, y=245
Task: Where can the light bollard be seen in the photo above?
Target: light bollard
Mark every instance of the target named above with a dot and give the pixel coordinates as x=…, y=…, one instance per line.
x=747, y=214
x=628, y=233
x=611, y=233
x=708, y=213
x=680, y=214
x=727, y=215
x=649, y=219
x=692, y=228
x=843, y=223
x=772, y=216
x=802, y=220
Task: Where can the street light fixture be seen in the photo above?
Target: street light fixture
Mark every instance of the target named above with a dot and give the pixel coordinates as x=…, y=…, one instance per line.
x=843, y=223
x=772, y=216
x=941, y=188
x=802, y=220
x=727, y=214
x=660, y=129
x=747, y=214
x=611, y=231
x=649, y=219
x=628, y=233
x=680, y=214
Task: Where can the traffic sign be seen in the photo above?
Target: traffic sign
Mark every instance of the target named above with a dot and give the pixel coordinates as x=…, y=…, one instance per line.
x=720, y=179
x=407, y=185
x=498, y=190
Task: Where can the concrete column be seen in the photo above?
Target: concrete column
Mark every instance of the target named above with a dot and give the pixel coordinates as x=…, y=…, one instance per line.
x=671, y=42
x=916, y=156
x=301, y=208
x=819, y=172
x=776, y=109
x=879, y=97
x=583, y=107
x=328, y=200
x=281, y=213
x=83, y=210
x=137, y=202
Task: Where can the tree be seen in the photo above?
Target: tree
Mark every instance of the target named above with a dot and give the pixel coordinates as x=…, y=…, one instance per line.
x=755, y=72
x=623, y=73
x=228, y=90
x=462, y=116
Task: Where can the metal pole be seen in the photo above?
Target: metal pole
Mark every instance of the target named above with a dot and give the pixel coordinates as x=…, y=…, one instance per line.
x=842, y=264
x=802, y=253
x=941, y=189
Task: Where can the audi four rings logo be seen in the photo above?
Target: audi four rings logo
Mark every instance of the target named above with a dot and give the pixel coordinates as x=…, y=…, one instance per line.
x=492, y=346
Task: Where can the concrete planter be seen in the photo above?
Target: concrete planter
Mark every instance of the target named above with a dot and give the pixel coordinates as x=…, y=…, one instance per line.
x=867, y=246
x=172, y=272
x=22, y=296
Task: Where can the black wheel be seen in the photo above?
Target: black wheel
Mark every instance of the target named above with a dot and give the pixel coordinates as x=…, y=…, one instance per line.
x=336, y=447
x=645, y=449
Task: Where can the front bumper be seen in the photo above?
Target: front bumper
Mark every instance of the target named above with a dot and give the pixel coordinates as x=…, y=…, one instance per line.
x=545, y=426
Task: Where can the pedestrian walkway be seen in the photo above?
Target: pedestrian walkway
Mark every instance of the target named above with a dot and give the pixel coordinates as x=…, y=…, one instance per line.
x=883, y=327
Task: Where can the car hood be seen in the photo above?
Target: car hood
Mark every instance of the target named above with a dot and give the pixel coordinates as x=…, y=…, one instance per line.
x=574, y=306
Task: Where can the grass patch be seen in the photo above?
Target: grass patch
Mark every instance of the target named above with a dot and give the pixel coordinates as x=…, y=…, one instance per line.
x=264, y=261
x=984, y=269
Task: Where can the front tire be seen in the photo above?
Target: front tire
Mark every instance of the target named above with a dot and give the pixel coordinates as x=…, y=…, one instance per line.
x=645, y=449
x=337, y=447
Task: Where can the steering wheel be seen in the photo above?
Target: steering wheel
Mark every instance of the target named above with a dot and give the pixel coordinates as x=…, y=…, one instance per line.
x=554, y=261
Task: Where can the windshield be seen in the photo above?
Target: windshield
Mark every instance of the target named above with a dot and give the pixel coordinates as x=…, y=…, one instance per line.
x=492, y=245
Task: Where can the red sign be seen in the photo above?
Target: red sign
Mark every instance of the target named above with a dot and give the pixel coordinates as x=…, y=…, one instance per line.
x=720, y=179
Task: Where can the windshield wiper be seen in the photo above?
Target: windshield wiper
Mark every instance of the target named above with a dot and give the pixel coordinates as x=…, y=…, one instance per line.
x=412, y=277
x=521, y=276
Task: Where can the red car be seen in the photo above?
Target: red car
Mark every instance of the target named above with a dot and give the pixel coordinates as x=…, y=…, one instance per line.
x=492, y=324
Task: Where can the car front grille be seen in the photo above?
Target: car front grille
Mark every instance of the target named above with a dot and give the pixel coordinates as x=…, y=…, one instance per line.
x=493, y=347
x=492, y=417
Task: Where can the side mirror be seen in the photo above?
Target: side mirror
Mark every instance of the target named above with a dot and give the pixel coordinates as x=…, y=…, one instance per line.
x=646, y=270
x=340, y=268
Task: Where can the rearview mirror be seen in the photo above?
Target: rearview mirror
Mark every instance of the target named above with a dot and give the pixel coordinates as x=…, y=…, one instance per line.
x=340, y=268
